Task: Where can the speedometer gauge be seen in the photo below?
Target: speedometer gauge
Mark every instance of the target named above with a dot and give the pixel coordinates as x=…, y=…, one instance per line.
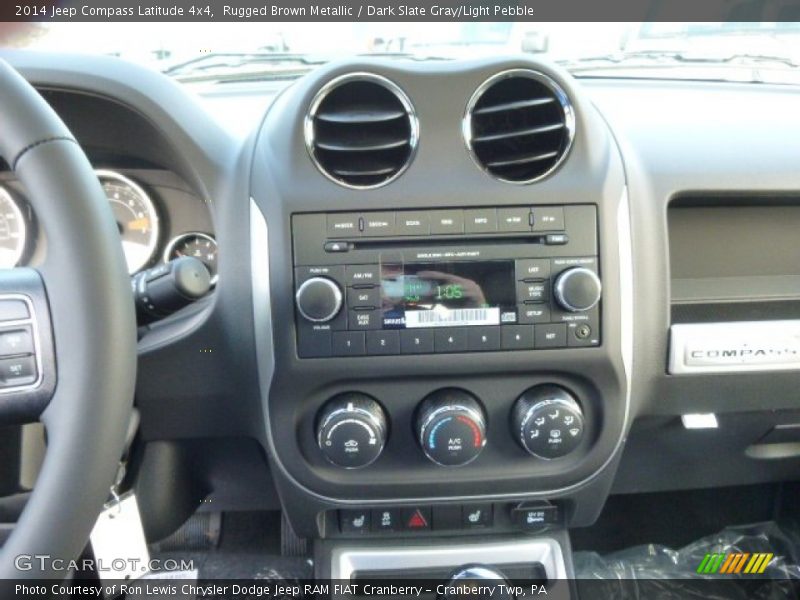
x=136, y=217
x=12, y=231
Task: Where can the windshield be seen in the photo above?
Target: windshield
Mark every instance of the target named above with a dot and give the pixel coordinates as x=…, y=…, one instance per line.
x=212, y=52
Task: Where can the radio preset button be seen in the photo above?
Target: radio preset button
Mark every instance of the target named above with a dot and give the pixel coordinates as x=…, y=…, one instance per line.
x=364, y=319
x=553, y=335
x=348, y=343
x=513, y=219
x=450, y=339
x=416, y=341
x=413, y=223
x=362, y=275
x=533, y=268
x=480, y=220
x=343, y=225
x=379, y=224
x=383, y=342
x=548, y=218
x=447, y=221
x=517, y=337
x=363, y=297
x=483, y=339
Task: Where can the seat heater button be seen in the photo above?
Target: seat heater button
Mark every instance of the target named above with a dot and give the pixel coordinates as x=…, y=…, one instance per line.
x=354, y=521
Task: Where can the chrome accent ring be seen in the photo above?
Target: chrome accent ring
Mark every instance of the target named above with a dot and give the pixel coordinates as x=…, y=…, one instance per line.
x=571, y=404
x=119, y=177
x=179, y=238
x=476, y=416
x=337, y=293
x=380, y=429
x=23, y=225
x=308, y=124
x=559, y=288
x=561, y=96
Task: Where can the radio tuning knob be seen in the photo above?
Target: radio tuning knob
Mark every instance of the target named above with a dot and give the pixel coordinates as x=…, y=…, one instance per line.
x=577, y=289
x=318, y=299
x=351, y=430
x=451, y=427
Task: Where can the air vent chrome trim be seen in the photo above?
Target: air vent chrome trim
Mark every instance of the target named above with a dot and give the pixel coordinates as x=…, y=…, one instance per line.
x=560, y=95
x=309, y=134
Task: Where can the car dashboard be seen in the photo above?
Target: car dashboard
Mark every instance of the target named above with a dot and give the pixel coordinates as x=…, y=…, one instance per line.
x=453, y=298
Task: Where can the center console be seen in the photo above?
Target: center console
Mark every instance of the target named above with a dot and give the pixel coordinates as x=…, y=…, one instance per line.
x=441, y=282
x=445, y=347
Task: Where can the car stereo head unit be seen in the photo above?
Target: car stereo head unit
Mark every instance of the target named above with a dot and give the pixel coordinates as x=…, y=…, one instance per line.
x=416, y=282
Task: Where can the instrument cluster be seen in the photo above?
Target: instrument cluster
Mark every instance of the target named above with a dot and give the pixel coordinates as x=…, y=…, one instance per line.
x=141, y=215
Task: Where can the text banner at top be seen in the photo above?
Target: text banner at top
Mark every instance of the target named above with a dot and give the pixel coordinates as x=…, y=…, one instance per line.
x=399, y=10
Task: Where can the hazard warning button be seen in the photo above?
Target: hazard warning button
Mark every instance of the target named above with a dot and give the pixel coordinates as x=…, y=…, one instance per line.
x=417, y=518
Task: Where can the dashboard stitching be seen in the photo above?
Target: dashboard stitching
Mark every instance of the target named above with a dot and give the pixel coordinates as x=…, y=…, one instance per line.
x=61, y=138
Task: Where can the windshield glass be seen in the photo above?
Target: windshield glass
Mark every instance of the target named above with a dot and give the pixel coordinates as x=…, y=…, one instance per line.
x=192, y=52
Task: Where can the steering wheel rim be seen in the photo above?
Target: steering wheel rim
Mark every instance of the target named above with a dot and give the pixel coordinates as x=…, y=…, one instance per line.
x=92, y=317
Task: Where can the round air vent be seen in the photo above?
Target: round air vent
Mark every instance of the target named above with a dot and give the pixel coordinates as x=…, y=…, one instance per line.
x=361, y=130
x=519, y=126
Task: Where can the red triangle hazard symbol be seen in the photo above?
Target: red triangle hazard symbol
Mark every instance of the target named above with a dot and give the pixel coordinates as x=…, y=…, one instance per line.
x=417, y=520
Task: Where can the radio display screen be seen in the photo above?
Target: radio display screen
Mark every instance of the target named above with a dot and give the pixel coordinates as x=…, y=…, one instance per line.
x=447, y=294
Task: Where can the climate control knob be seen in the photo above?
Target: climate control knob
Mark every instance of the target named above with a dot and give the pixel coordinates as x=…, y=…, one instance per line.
x=451, y=427
x=547, y=421
x=577, y=289
x=351, y=430
x=319, y=299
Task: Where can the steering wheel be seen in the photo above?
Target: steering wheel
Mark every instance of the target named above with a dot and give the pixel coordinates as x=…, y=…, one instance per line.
x=77, y=309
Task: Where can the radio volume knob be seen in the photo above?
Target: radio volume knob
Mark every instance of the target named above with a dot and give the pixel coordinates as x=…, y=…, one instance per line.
x=318, y=299
x=577, y=289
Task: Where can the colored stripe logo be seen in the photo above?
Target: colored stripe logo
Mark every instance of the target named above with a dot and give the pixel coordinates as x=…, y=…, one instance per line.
x=735, y=563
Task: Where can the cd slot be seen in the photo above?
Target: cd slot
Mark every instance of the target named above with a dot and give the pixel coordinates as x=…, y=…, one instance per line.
x=445, y=240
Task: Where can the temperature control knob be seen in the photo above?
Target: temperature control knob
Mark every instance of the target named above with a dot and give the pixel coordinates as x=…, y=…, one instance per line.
x=351, y=430
x=547, y=421
x=577, y=289
x=451, y=427
x=319, y=299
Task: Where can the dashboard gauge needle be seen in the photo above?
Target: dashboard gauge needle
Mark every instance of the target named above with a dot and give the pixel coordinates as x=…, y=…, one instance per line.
x=142, y=224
